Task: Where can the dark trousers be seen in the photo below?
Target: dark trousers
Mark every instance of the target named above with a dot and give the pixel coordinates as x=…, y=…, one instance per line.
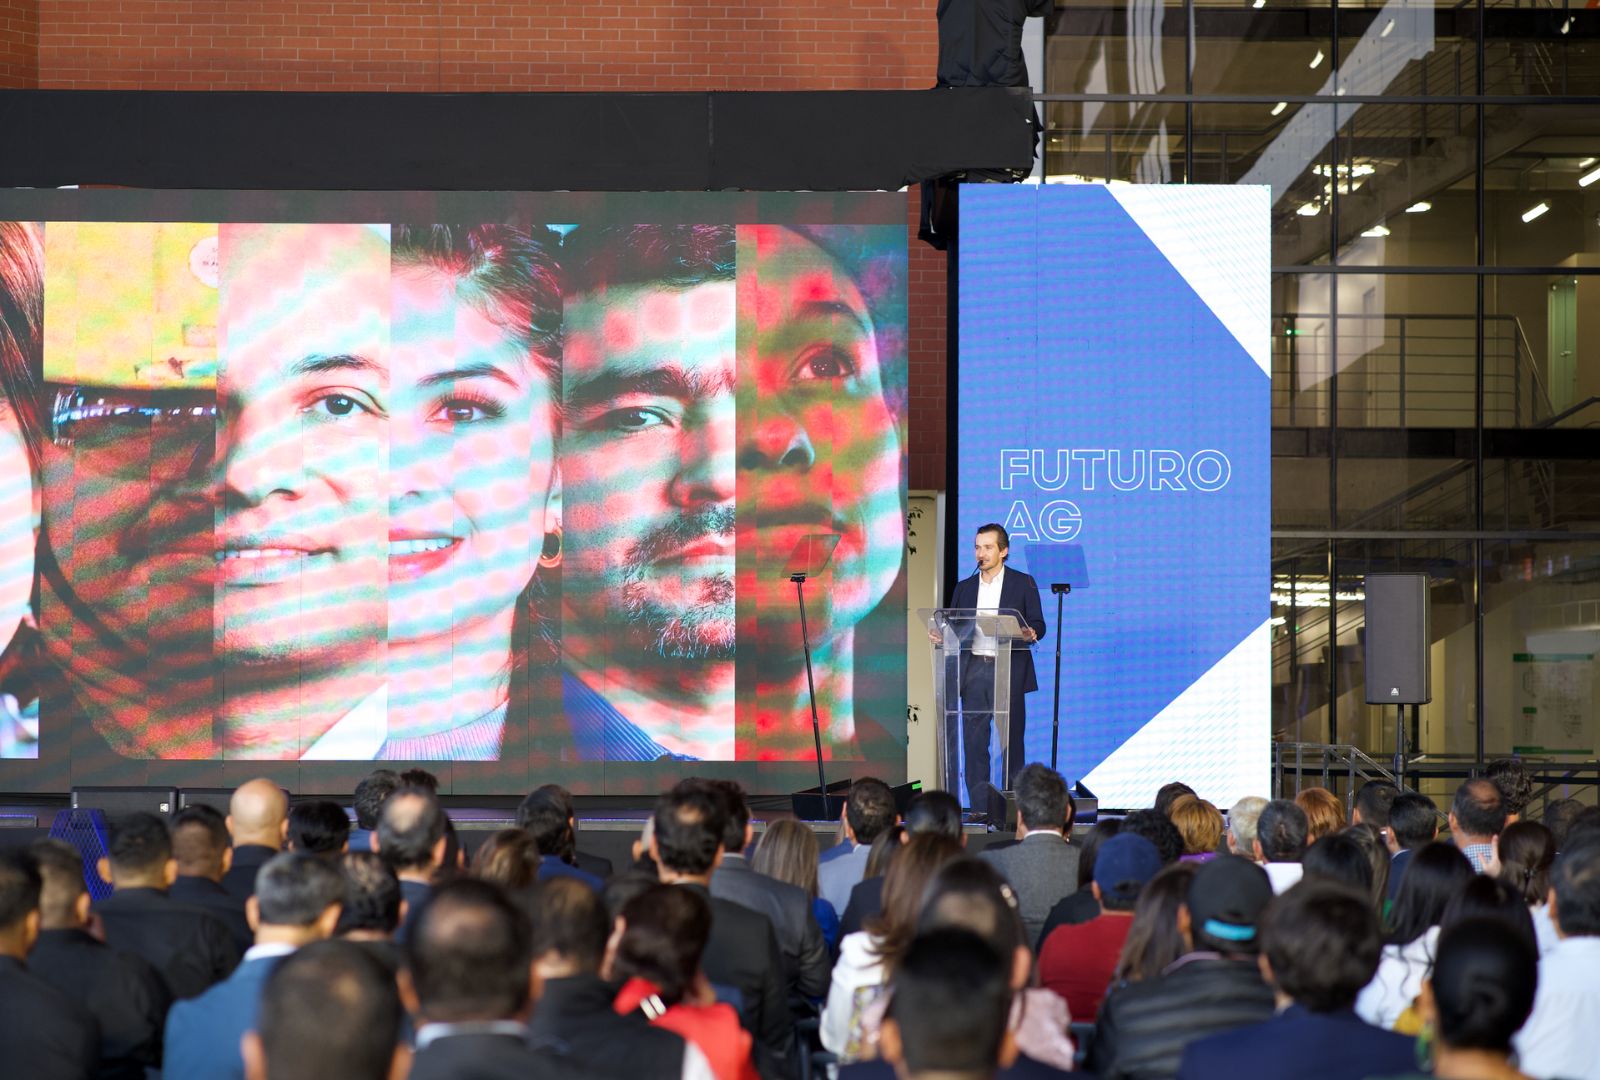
x=977, y=718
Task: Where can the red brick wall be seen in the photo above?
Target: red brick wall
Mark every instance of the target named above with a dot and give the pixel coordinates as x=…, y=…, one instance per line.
x=19, y=44
x=459, y=45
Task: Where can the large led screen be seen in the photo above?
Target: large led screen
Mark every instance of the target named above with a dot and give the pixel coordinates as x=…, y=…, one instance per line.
x=511, y=485
x=1114, y=417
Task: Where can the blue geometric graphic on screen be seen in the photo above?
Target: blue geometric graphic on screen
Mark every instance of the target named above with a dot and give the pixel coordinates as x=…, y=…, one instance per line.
x=1077, y=332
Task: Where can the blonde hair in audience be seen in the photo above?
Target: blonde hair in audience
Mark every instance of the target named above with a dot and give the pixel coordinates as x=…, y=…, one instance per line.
x=1324, y=812
x=788, y=852
x=1200, y=823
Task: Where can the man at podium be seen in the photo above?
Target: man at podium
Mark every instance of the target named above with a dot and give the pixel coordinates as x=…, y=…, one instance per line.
x=994, y=588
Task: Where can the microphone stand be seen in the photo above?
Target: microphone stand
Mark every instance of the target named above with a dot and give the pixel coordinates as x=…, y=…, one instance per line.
x=811, y=686
x=1061, y=589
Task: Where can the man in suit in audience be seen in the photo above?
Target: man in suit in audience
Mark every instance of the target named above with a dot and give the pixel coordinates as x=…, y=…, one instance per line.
x=258, y=821
x=930, y=812
x=1042, y=866
x=805, y=952
x=296, y=902
x=572, y=1009
x=869, y=812
x=188, y=947
x=1320, y=945
x=120, y=990
x=319, y=827
x=549, y=816
x=466, y=978
x=742, y=952
x=372, y=908
x=293, y=1037
x=370, y=795
x=44, y=1034
x=1413, y=823
x=203, y=850
x=410, y=838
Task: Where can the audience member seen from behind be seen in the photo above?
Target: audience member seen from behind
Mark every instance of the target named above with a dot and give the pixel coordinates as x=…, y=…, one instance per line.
x=1200, y=824
x=1324, y=812
x=190, y=949
x=1319, y=944
x=44, y=1034
x=1281, y=833
x=295, y=1037
x=869, y=811
x=1527, y=854
x=655, y=954
x=1478, y=995
x=121, y=991
x=1558, y=815
x=258, y=821
x=967, y=894
x=1436, y=873
x=1510, y=776
x=867, y=957
x=370, y=795
x=1370, y=839
x=510, y=859
x=1559, y=1039
x=1413, y=824
x=1081, y=906
x=319, y=827
x=1242, y=819
x=948, y=1011
x=466, y=981
x=1372, y=802
x=788, y=852
x=372, y=908
x=1169, y=794
x=1154, y=937
x=929, y=812
x=1337, y=857
x=1078, y=961
x=573, y=1004
x=1215, y=986
x=297, y=901
x=410, y=838
x=1486, y=898
x=204, y=853
x=1477, y=815
x=1042, y=866
x=547, y=815
x=1157, y=828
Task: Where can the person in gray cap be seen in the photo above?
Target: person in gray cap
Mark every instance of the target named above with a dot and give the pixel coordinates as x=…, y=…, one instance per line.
x=1215, y=986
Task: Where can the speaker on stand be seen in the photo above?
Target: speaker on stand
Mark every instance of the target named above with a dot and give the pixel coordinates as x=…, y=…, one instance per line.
x=1397, y=640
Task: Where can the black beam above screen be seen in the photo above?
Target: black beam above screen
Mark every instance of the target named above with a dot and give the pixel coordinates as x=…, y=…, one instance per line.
x=819, y=141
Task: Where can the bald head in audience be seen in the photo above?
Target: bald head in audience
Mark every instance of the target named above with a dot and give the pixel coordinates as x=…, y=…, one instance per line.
x=258, y=813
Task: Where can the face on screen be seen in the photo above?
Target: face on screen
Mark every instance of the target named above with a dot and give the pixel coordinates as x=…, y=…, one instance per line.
x=648, y=469
x=819, y=446
x=470, y=460
x=247, y=520
x=16, y=523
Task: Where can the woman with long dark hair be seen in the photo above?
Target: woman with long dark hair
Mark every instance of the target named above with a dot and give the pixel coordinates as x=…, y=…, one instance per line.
x=1436, y=872
x=1527, y=853
x=1477, y=998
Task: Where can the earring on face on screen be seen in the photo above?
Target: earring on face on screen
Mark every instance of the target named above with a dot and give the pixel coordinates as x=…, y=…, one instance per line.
x=550, y=555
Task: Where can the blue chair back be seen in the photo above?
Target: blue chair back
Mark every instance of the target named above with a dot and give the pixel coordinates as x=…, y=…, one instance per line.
x=85, y=830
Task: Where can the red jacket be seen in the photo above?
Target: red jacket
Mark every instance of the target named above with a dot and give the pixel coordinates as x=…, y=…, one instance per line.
x=713, y=1029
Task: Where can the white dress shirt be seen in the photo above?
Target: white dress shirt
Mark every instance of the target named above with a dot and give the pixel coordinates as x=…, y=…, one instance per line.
x=1559, y=1039
x=989, y=603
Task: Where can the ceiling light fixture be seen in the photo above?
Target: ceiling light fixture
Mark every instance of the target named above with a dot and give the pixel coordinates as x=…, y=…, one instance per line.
x=1316, y=61
x=1586, y=162
x=1309, y=209
x=1588, y=178
x=1377, y=231
x=1533, y=213
x=1279, y=107
x=1422, y=206
x=1388, y=28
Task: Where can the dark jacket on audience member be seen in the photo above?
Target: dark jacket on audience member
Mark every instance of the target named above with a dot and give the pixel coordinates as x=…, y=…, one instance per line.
x=203, y=1035
x=190, y=949
x=44, y=1035
x=1075, y=908
x=597, y=865
x=1397, y=870
x=743, y=953
x=866, y=901
x=1143, y=1026
x=209, y=896
x=1043, y=868
x=805, y=953
x=1024, y=1068
x=488, y=1056
x=415, y=894
x=240, y=880
x=121, y=991
x=574, y=1017
x=1299, y=1044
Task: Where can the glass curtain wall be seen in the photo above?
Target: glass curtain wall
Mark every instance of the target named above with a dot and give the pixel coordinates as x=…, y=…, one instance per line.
x=1435, y=177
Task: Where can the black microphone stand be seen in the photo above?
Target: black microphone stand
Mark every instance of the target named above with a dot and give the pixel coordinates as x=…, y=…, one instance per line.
x=1061, y=589
x=811, y=686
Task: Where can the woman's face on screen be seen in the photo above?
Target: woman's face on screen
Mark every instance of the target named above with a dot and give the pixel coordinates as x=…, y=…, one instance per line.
x=18, y=519
x=471, y=461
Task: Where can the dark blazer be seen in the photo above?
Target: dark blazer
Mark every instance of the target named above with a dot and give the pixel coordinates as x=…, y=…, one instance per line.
x=240, y=880
x=1397, y=870
x=1076, y=907
x=121, y=991
x=1024, y=1068
x=1299, y=1044
x=593, y=864
x=1043, y=869
x=743, y=953
x=415, y=894
x=574, y=1017
x=1020, y=592
x=44, y=1034
x=203, y=1034
x=211, y=897
x=550, y=866
x=190, y=949
x=805, y=953
x=488, y=1057
x=866, y=900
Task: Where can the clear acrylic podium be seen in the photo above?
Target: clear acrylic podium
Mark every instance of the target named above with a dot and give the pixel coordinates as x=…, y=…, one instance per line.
x=972, y=693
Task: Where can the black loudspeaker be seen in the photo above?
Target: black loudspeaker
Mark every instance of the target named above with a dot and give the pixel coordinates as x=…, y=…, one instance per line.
x=215, y=797
x=1397, y=639
x=125, y=800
